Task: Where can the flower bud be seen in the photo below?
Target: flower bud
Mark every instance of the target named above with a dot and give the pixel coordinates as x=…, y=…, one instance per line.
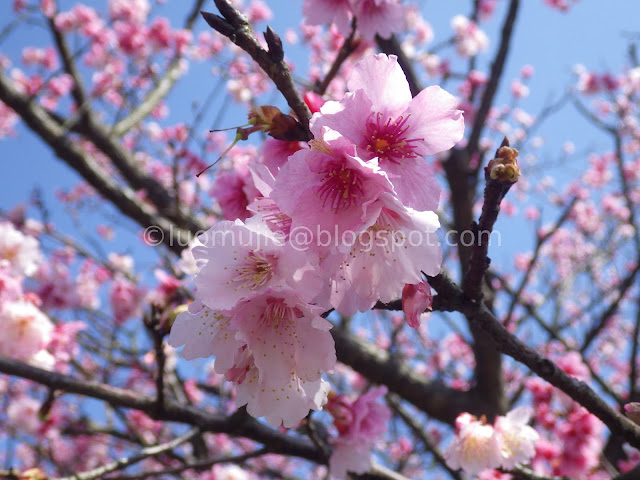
x=633, y=411
x=415, y=300
x=504, y=168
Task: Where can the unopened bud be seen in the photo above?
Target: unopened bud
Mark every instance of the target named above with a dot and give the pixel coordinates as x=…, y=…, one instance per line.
x=263, y=115
x=168, y=322
x=504, y=167
x=633, y=411
x=277, y=124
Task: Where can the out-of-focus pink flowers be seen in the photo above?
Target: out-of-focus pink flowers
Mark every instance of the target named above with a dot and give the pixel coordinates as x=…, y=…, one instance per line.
x=25, y=329
x=19, y=252
x=478, y=446
x=360, y=425
x=126, y=300
x=470, y=40
x=382, y=17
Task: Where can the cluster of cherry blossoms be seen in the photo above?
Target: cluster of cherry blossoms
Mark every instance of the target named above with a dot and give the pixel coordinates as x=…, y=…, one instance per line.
x=342, y=223
x=26, y=329
x=478, y=446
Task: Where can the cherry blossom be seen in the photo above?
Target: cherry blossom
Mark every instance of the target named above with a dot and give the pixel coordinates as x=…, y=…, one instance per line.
x=360, y=425
x=475, y=447
x=384, y=122
x=273, y=346
x=26, y=330
x=19, y=251
x=329, y=188
x=394, y=251
x=243, y=259
x=518, y=438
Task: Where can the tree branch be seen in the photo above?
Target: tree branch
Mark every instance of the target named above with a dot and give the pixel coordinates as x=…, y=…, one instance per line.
x=433, y=398
x=237, y=28
x=497, y=68
x=507, y=343
x=49, y=130
x=236, y=425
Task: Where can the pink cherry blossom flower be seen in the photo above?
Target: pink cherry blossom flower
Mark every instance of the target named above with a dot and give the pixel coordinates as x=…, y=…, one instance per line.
x=329, y=188
x=382, y=17
x=394, y=251
x=265, y=206
x=25, y=329
x=243, y=259
x=22, y=414
x=234, y=191
x=10, y=285
x=126, y=300
x=314, y=101
x=470, y=40
x=205, y=332
x=416, y=298
x=384, y=122
x=475, y=446
x=20, y=252
x=360, y=425
x=275, y=153
x=134, y=11
x=273, y=346
x=320, y=12
x=518, y=438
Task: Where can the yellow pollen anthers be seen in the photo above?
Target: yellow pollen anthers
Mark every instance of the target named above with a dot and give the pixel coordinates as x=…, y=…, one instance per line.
x=341, y=188
x=381, y=144
x=387, y=138
x=255, y=272
x=278, y=314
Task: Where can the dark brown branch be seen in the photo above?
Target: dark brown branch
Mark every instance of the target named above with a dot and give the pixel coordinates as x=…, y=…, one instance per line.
x=347, y=48
x=235, y=425
x=507, y=343
x=419, y=433
x=237, y=28
x=375, y=364
x=125, y=199
x=494, y=191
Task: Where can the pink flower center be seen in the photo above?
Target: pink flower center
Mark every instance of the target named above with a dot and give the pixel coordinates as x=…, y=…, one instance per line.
x=278, y=314
x=271, y=213
x=341, y=187
x=387, y=139
x=255, y=271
